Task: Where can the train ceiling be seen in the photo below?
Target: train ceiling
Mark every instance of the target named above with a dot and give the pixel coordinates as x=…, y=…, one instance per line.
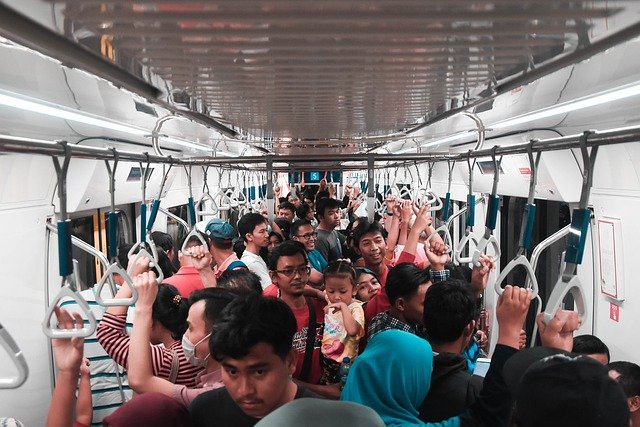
x=326, y=75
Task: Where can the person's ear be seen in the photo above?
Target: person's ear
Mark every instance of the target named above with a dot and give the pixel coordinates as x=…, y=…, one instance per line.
x=291, y=360
x=399, y=304
x=274, y=276
x=468, y=330
x=634, y=403
x=248, y=237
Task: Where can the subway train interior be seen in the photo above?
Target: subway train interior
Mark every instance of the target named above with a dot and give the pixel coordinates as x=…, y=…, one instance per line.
x=516, y=121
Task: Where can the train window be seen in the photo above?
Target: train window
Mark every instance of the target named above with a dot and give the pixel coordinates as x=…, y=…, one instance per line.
x=83, y=228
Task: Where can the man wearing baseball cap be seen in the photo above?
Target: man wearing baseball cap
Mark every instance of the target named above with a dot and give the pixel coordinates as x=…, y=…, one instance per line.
x=224, y=258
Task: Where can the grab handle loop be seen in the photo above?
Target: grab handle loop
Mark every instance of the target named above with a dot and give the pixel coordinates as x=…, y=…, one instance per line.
x=140, y=247
x=576, y=240
x=488, y=239
x=526, y=232
x=206, y=196
x=443, y=232
x=65, y=261
x=110, y=302
x=112, y=217
x=447, y=200
x=193, y=233
x=17, y=357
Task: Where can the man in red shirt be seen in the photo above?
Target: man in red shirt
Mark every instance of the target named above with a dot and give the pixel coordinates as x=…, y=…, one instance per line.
x=187, y=279
x=289, y=270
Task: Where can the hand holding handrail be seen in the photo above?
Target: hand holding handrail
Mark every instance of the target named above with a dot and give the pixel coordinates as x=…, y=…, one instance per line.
x=139, y=249
x=17, y=357
x=526, y=232
x=68, y=289
x=576, y=241
x=489, y=239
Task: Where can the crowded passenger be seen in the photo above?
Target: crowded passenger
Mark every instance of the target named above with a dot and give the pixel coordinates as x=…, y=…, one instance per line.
x=188, y=278
x=241, y=279
x=343, y=320
x=367, y=283
x=204, y=310
x=302, y=231
x=330, y=241
x=591, y=346
x=169, y=315
x=286, y=211
x=253, y=230
x=254, y=344
x=221, y=235
x=627, y=374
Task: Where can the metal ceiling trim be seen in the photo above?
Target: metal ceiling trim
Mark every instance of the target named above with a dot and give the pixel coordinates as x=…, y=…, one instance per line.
x=574, y=57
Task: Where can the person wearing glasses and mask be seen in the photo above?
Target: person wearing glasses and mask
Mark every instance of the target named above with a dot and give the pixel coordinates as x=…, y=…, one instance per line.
x=289, y=270
x=302, y=231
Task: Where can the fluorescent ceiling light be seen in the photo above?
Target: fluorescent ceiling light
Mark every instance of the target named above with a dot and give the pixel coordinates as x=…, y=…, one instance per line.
x=577, y=104
x=566, y=107
x=59, y=111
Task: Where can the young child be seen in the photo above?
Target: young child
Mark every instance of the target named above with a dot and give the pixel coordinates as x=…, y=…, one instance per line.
x=367, y=284
x=343, y=320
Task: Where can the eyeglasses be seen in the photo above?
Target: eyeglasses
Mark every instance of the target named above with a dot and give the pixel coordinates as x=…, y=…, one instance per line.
x=303, y=270
x=308, y=235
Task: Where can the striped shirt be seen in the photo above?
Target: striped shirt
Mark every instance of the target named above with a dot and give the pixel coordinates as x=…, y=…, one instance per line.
x=114, y=339
x=109, y=384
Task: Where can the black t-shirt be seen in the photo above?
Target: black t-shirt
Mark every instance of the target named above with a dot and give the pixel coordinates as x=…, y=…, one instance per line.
x=217, y=408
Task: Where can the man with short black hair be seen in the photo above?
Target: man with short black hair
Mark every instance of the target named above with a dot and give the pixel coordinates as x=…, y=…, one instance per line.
x=287, y=211
x=253, y=341
x=329, y=242
x=254, y=231
x=406, y=288
x=627, y=374
x=450, y=312
x=289, y=269
x=591, y=346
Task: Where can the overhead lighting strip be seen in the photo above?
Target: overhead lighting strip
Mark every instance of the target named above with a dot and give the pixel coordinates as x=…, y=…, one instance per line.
x=54, y=110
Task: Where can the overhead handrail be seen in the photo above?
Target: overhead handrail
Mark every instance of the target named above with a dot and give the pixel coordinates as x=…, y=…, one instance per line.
x=569, y=282
x=489, y=239
x=471, y=213
x=17, y=357
x=65, y=264
x=112, y=250
x=206, y=196
x=84, y=246
x=528, y=218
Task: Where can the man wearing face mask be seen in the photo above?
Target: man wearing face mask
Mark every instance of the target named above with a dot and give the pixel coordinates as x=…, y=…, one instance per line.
x=205, y=308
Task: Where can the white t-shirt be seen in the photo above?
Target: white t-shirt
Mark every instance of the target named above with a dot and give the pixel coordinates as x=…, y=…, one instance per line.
x=256, y=264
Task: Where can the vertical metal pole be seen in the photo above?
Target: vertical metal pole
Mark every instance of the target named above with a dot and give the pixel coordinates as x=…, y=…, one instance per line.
x=371, y=192
x=270, y=200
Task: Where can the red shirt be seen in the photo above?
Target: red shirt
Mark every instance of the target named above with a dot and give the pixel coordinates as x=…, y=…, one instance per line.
x=300, y=337
x=187, y=280
x=380, y=301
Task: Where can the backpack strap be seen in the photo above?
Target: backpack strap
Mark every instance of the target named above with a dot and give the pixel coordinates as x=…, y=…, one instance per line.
x=175, y=367
x=311, y=340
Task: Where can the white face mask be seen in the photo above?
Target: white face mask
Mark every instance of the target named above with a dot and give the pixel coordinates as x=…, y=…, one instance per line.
x=189, y=350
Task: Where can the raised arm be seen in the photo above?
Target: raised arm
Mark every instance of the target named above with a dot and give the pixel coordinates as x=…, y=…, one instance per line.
x=68, y=357
x=140, y=372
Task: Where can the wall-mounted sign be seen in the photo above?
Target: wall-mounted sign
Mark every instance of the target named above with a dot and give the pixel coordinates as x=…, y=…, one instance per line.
x=610, y=258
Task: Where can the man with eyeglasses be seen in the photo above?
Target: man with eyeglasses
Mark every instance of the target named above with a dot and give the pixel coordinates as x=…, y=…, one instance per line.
x=302, y=231
x=289, y=269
